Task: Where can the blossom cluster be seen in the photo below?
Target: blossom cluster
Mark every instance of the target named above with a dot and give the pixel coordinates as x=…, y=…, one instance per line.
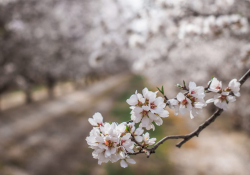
x=114, y=142
x=214, y=26
x=193, y=101
x=224, y=96
x=147, y=108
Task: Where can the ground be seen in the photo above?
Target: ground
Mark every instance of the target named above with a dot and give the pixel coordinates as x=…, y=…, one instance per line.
x=48, y=138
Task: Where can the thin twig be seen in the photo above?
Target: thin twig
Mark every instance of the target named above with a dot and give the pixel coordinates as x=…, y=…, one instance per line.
x=200, y=128
x=135, y=153
x=133, y=139
x=129, y=121
x=244, y=77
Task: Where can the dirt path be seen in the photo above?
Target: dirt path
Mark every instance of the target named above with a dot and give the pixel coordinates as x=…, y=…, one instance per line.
x=42, y=140
x=215, y=151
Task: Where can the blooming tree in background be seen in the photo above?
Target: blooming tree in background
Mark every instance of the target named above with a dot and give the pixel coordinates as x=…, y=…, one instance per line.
x=44, y=42
x=114, y=142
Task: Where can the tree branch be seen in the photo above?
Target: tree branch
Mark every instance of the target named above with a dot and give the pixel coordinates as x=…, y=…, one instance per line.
x=133, y=139
x=200, y=128
x=244, y=77
x=195, y=132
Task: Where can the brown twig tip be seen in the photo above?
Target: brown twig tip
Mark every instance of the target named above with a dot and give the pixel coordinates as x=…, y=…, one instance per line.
x=129, y=121
x=244, y=77
x=166, y=98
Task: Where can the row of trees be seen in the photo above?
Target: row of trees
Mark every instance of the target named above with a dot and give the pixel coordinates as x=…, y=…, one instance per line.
x=43, y=42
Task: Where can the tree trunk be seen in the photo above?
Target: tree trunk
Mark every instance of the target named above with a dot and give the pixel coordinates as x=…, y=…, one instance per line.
x=28, y=96
x=50, y=85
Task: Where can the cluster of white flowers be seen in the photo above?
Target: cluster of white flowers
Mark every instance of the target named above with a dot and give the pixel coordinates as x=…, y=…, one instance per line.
x=214, y=26
x=224, y=96
x=147, y=108
x=113, y=142
x=193, y=101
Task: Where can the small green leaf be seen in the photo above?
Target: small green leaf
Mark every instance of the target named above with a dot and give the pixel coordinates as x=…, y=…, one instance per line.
x=127, y=128
x=158, y=89
x=178, y=85
x=162, y=89
x=184, y=83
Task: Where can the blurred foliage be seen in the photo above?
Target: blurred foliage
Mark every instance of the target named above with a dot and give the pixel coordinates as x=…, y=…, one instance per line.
x=121, y=109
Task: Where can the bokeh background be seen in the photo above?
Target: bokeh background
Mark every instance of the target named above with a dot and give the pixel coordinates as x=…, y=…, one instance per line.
x=63, y=60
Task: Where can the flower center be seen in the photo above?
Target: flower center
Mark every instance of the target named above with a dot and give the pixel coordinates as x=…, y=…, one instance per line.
x=223, y=97
x=217, y=87
x=140, y=103
x=108, y=143
x=227, y=89
x=184, y=102
x=152, y=105
x=192, y=92
x=144, y=113
x=99, y=124
x=123, y=141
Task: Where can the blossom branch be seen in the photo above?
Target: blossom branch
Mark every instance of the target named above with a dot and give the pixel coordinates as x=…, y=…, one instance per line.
x=200, y=128
x=123, y=140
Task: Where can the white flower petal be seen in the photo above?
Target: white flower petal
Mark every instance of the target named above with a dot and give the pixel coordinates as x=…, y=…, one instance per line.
x=132, y=161
x=159, y=121
x=92, y=122
x=210, y=100
x=98, y=117
x=191, y=115
x=123, y=164
x=138, y=138
x=237, y=94
x=164, y=114
x=132, y=100
x=139, y=131
x=180, y=96
x=145, y=121
x=145, y=91
x=192, y=85
x=152, y=116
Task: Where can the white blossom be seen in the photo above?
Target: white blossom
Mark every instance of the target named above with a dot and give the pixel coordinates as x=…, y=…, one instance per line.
x=215, y=86
x=126, y=143
x=221, y=100
x=136, y=99
x=174, y=104
x=192, y=102
x=234, y=86
x=147, y=109
x=147, y=140
x=196, y=91
x=112, y=142
x=97, y=119
x=184, y=102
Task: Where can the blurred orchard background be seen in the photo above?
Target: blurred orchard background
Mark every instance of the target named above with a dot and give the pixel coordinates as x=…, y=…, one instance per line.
x=63, y=60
